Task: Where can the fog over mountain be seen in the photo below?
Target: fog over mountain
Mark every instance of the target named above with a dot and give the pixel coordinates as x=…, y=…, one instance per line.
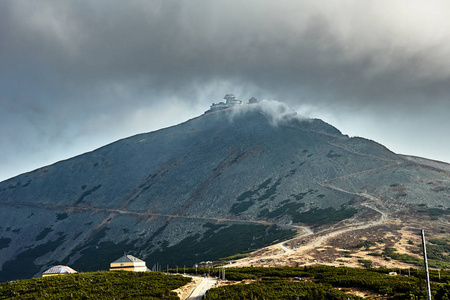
x=80, y=74
x=225, y=182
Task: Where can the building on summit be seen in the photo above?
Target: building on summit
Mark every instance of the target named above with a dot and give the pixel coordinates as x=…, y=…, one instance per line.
x=58, y=270
x=128, y=263
x=252, y=100
x=230, y=101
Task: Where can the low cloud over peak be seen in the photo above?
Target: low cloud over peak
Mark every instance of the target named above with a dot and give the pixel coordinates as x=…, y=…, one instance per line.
x=68, y=62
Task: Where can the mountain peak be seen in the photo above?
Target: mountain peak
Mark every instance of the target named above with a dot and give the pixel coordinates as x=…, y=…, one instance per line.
x=274, y=109
x=240, y=176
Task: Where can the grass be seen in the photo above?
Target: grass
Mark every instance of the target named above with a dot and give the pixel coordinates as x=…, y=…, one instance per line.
x=240, y=207
x=406, y=258
x=219, y=243
x=263, y=191
x=278, y=289
x=43, y=233
x=61, y=216
x=97, y=285
x=286, y=208
x=315, y=216
x=23, y=266
x=96, y=255
x=4, y=242
x=332, y=154
x=325, y=282
x=437, y=252
x=87, y=193
x=434, y=212
x=270, y=192
x=318, y=216
x=365, y=244
x=366, y=263
x=235, y=256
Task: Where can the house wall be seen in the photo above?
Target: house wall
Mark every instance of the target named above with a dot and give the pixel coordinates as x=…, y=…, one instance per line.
x=130, y=266
x=46, y=275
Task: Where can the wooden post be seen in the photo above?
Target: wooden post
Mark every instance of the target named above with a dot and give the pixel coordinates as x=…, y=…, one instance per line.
x=426, y=265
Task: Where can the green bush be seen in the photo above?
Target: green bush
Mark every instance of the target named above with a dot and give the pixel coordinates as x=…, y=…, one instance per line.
x=97, y=285
x=367, y=263
x=276, y=284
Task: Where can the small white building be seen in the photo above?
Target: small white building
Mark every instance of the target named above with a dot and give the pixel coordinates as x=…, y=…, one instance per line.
x=58, y=270
x=128, y=263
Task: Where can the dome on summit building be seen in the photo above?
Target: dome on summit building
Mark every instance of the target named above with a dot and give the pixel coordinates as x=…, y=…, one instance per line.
x=229, y=96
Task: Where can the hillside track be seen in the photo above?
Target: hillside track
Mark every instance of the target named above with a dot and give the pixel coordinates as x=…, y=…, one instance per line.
x=319, y=238
x=395, y=164
x=71, y=208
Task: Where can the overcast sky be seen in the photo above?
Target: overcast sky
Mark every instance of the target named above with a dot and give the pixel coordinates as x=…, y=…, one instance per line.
x=76, y=75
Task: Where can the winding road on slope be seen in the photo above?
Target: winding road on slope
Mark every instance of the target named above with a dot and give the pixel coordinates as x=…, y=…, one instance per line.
x=281, y=245
x=307, y=230
x=320, y=238
x=200, y=290
x=63, y=207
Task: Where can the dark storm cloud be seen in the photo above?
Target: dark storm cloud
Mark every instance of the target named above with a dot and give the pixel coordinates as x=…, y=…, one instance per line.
x=75, y=68
x=170, y=45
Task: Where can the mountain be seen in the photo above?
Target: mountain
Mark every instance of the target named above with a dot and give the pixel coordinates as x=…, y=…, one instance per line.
x=223, y=183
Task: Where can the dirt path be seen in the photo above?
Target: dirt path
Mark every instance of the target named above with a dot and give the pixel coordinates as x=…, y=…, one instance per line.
x=307, y=230
x=281, y=245
x=332, y=234
x=320, y=239
x=130, y=212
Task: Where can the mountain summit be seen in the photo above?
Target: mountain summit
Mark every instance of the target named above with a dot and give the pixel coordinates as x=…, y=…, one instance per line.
x=226, y=182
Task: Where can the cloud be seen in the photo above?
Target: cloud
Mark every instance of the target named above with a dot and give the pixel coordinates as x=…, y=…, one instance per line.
x=276, y=112
x=86, y=70
x=357, y=52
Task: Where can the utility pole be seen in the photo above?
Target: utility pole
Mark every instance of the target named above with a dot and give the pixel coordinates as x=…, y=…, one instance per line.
x=426, y=265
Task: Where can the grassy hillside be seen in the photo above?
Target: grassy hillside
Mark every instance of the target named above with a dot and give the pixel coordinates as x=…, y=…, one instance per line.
x=325, y=282
x=157, y=194
x=97, y=285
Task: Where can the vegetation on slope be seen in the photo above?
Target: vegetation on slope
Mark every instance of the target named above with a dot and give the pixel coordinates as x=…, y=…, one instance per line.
x=319, y=281
x=279, y=289
x=97, y=285
x=314, y=216
x=218, y=242
x=437, y=251
x=23, y=265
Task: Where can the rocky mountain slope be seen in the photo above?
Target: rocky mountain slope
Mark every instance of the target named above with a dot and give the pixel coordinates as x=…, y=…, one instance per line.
x=222, y=183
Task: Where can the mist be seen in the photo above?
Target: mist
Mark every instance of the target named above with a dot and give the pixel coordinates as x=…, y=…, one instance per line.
x=81, y=74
